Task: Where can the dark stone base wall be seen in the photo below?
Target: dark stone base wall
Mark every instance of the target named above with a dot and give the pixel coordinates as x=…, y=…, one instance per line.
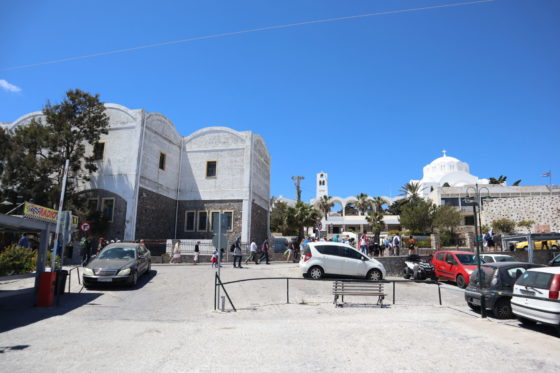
x=114, y=230
x=210, y=205
x=155, y=215
x=259, y=223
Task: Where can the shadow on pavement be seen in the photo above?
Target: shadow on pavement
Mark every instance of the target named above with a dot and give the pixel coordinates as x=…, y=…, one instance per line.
x=142, y=281
x=19, y=310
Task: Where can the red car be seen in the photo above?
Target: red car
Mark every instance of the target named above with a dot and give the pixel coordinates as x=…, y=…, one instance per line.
x=455, y=266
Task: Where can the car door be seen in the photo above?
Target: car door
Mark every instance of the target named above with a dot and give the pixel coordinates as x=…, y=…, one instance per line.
x=331, y=260
x=440, y=265
x=354, y=264
x=452, y=266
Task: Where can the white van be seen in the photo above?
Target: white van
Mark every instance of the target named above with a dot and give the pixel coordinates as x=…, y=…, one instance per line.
x=320, y=258
x=541, y=283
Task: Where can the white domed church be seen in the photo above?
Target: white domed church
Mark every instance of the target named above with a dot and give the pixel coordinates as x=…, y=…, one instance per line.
x=448, y=171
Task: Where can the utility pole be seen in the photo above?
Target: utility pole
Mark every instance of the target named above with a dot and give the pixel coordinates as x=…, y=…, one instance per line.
x=297, y=180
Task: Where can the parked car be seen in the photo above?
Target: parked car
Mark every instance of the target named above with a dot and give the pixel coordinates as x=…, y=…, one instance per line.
x=493, y=258
x=538, y=245
x=541, y=283
x=499, y=276
x=118, y=263
x=455, y=266
x=320, y=258
x=555, y=262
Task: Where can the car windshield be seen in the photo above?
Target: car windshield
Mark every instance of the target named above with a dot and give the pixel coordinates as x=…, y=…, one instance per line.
x=468, y=259
x=118, y=253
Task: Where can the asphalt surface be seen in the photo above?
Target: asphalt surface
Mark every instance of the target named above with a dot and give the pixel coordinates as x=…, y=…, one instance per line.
x=168, y=323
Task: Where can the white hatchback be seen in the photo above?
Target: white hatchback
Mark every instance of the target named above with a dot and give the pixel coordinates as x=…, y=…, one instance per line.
x=320, y=258
x=540, y=283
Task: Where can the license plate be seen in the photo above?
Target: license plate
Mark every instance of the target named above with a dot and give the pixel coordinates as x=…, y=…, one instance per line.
x=475, y=301
x=100, y=279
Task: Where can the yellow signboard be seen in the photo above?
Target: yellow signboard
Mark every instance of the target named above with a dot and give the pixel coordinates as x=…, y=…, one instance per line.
x=44, y=213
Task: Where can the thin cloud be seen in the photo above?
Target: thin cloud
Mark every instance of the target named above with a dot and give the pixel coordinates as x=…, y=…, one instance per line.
x=9, y=87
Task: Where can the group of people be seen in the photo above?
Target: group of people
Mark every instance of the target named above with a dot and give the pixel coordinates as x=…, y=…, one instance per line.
x=368, y=246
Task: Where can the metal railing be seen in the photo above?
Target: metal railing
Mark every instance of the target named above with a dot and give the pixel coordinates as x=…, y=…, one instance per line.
x=77, y=269
x=218, y=283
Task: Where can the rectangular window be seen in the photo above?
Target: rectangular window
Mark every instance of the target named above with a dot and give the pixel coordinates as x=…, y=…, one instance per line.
x=98, y=151
x=214, y=220
x=189, y=221
x=92, y=204
x=469, y=220
x=227, y=221
x=162, y=161
x=108, y=208
x=211, y=169
x=202, y=221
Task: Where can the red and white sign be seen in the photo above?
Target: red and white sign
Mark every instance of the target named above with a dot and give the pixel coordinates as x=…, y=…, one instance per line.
x=85, y=226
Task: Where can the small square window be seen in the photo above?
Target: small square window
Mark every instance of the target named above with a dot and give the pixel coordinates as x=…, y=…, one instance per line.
x=98, y=151
x=211, y=169
x=92, y=204
x=162, y=161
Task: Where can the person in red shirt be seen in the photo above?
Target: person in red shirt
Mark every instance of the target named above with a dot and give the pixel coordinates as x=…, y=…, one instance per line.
x=411, y=246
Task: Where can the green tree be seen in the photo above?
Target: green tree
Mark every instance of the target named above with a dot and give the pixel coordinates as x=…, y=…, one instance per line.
x=527, y=224
x=418, y=217
x=42, y=148
x=498, y=181
x=325, y=204
x=375, y=219
x=396, y=207
x=378, y=203
x=503, y=225
x=302, y=215
x=363, y=202
x=411, y=190
x=350, y=210
x=279, y=219
x=447, y=218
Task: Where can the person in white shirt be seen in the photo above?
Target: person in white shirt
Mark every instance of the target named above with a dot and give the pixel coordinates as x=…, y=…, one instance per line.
x=253, y=253
x=397, y=245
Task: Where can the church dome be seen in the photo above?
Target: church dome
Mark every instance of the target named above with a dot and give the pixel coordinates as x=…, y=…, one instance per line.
x=442, y=166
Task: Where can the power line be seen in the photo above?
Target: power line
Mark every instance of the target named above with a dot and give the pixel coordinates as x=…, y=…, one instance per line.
x=221, y=35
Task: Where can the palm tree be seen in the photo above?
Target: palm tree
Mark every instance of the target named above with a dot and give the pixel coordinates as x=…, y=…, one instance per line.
x=375, y=218
x=324, y=203
x=410, y=190
x=302, y=215
x=378, y=202
x=499, y=181
x=363, y=203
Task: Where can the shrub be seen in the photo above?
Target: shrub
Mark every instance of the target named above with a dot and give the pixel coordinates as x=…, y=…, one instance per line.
x=16, y=260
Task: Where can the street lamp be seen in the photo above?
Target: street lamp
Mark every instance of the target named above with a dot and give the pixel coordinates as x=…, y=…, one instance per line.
x=474, y=196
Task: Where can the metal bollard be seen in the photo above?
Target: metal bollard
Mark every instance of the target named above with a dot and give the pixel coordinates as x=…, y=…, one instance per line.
x=223, y=303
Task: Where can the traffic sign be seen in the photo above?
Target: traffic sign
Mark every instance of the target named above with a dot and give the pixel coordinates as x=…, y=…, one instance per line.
x=85, y=226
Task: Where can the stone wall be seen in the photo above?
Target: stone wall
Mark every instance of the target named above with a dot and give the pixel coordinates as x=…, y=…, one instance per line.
x=155, y=215
x=209, y=206
x=116, y=228
x=542, y=209
x=259, y=223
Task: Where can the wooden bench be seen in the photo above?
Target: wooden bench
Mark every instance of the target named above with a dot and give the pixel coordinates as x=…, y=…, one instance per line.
x=368, y=289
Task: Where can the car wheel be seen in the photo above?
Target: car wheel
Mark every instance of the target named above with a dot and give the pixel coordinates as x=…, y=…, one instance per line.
x=473, y=306
x=134, y=279
x=502, y=309
x=461, y=282
x=526, y=322
x=316, y=273
x=374, y=274
x=406, y=274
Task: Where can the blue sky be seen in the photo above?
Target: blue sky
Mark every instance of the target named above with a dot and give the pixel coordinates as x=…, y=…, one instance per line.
x=369, y=101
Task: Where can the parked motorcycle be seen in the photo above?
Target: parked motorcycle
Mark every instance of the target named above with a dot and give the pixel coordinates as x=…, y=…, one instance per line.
x=418, y=268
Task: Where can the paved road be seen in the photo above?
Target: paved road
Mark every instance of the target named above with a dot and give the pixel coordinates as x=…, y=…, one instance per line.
x=167, y=324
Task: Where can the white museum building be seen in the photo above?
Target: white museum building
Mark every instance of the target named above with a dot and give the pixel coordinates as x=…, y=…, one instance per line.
x=154, y=183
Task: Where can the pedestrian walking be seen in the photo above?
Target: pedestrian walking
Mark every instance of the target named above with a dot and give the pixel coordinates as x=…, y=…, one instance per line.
x=252, y=253
x=101, y=243
x=237, y=255
x=411, y=245
x=86, y=249
x=214, y=258
x=363, y=244
x=264, y=249
x=196, y=252
x=176, y=258
x=397, y=245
